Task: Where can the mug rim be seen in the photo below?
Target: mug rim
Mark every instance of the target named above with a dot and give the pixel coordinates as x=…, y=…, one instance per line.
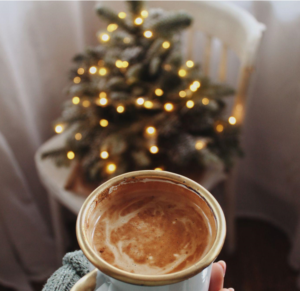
x=152, y=280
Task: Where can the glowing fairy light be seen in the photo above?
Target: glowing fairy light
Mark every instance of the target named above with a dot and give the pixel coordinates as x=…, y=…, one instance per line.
x=205, y=101
x=78, y=136
x=148, y=104
x=193, y=88
x=169, y=107
x=154, y=149
x=77, y=80
x=120, y=109
x=190, y=104
x=59, y=128
x=148, y=34
x=200, y=144
x=150, y=130
x=125, y=64
x=80, y=71
x=93, y=70
x=138, y=21
x=189, y=64
x=70, y=155
x=86, y=103
x=112, y=27
x=182, y=73
x=102, y=95
x=144, y=13
x=127, y=40
x=232, y=120
x=166, y=44
x=111, y=168
x=140, y=101
x=75, y=100
x=158, y=169
x=182, y=94
x=197, y=84
x=103, y=122
x=105, y=37
x=103, y=101
x=219, y=128
x=102, y=71
x=122, y=15
x=158, y=92
x=104, y=155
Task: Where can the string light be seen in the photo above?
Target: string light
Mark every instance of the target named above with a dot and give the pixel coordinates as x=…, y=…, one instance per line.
x=197, y=84
x=125, y=64
x=159, y=92
x=75, y=100
x=158, y=169
x=102, y=71
x=59, y=128
x=219, y=128
x=169, y=107
x=144, y=13
x=148, y=34
x=167, y=67
x=190, y=104
x=104, y=155
x=105, y=37
x=189, y=64
x=122, y=15
x=112, y=27
x=126, y=40
x=103, y=101
x=153, y=149
x=77, y=80
x=138, y=21
x=78, y=136
x=166, y=44
x=182, y=94
x=103, y=122
x=205, y=101
x=86, y=103
x=150, y=130
x=118, y=63
x=232, y=120
x=182, y=73
x=80, y=71
x=148, y=104
x=111, y=168
x=120, y=109
x=200, y=144
x=102, y=95
x=193, y=88
x=70, y=155
x=140, y=101
x=93, y=70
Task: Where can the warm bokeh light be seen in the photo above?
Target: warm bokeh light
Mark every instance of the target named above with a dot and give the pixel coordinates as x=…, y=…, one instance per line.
x=138, y=21
x=70, y=155
x=182, y=94
x=219, y=128
x=80, y=71
x=111, y=168
x=153, y=149
x=148, y=104
x=197, y=84
x=182, y=73
x=103, y=122
x=167, y=67
x=86, y=103
x=122, y=15
x=77, y=80
x=144, y=13
x=120, y=109
x=126, y=40
x=159, y=92
x=102, y=71
x=158, y=169
x=105, y=37
x=166, y=44
x=168, y=106
x=102, y=95
x=193, y=88
x=140, y=101
x=112, y=27
x=104, y=155
x=58, y=128
x=190, y=104
x=148, y=34
x=189, y=64
x=118, y=64
x=200, y=144
x=93, y=70
x=103, y=101
x=205, y=101
x=78, y=136
x=232, y=120
x=150, y=130
x=75, y=100
x=125, y=64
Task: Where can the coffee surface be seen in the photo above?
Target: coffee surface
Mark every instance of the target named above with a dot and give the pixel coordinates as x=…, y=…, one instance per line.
x=151, y=232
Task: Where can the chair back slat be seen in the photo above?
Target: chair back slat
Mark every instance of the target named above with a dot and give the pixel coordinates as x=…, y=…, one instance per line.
x=223, y=63
x=207, y=55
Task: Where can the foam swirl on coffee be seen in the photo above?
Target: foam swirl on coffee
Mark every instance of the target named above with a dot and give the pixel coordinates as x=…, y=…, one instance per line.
x=151, y=232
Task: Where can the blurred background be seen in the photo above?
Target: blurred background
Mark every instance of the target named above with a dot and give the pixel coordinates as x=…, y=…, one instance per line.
x=38, y=213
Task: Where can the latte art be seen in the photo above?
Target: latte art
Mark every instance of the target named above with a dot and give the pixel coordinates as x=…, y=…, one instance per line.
x=151, y=232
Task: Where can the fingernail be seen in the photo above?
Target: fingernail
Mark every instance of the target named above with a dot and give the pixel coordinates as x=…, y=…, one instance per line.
x=231, y=289
x=223, y=264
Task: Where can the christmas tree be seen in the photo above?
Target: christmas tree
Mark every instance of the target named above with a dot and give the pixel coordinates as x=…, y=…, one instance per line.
x=136, y=104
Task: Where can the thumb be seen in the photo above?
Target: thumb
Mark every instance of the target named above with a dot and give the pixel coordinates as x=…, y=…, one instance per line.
x=217, y=278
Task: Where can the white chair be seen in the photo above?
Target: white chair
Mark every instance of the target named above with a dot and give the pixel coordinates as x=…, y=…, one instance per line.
x=238, y=31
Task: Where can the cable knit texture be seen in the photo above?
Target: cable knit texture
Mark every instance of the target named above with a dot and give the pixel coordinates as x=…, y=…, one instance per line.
x=75, y=265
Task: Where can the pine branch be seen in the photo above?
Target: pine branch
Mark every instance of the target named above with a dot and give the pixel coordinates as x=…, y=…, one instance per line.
x=135, y=7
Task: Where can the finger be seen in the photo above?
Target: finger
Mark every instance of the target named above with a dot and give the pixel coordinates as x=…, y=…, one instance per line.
x=217, y=277
x=223, y=265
